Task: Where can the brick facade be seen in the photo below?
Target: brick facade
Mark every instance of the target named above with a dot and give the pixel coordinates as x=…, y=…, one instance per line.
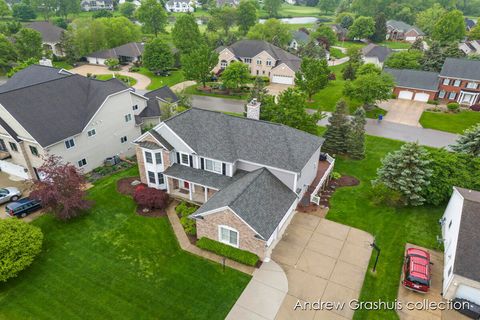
x=141, y=164
x=457, y=89
x=208, y=227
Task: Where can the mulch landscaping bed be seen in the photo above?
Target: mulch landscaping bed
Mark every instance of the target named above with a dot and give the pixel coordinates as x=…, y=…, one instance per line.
x=124, y=186
x=343, y=181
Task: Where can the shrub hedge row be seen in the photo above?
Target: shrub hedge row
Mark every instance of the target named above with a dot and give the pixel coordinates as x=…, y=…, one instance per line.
x=227, y=251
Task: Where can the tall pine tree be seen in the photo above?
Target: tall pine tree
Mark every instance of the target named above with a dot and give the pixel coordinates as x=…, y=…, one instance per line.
x=469, y=142
x=356, y=135
x=406, y=171
x=337, y=130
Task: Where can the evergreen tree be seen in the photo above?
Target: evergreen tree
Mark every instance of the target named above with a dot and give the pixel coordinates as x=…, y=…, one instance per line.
x=337, y=130
x=349, y=71
x=469, y=142
x=432, y=59
x=356, y=135
x=417, y=45
x=406, y=171
x=380, y=28
x=258, y=90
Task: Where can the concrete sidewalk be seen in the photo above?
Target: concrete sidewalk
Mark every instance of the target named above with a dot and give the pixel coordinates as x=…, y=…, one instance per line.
x=263, y=296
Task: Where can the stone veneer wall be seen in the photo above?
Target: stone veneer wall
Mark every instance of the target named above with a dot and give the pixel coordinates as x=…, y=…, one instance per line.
x=208, y=227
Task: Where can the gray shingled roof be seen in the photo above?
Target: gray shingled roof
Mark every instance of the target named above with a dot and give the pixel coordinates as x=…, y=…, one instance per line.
x=9, y=130
x=403, y=27
x=461, y=68
x=380, y=52
x=161, y=139
x=50, y=32
x=467, y=256
x=414, y=79
x=301, y=36
x=250, y=48
x=153, y=107
x=203, y=177
x=229, y=138
x=149, y=145
x=57, y=109
x=259, y=198
x=132, y=49
x=31, y=75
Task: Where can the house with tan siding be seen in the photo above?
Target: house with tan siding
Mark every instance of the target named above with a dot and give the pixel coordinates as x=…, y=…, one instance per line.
x=263, y=59
x=247, y=175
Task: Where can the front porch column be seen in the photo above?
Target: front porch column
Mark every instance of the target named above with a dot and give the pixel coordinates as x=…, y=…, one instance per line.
x=460, y=97
x=190, y=193
x=206, y=194
x=167, y=183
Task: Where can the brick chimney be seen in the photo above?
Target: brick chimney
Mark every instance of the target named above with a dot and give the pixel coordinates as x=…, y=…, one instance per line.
x=253, y=109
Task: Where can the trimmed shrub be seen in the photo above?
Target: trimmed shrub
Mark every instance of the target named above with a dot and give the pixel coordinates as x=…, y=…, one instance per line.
x=184, y=209
x=453, y=106
x=227, y=251
x=434, y=102
x=20, y=243
x=189, y=225
x=150, y=198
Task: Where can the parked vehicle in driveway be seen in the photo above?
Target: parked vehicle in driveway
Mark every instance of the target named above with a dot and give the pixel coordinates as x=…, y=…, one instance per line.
x=22, y=207
x=416, y=270
x=9, y=194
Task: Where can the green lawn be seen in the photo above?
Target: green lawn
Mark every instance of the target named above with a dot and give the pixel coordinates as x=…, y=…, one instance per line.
x=193, y=90
x=392, y=227
x=157, y=81
x=396, y=44
x=350, y=44
x=450, y=122
x=62, y=65
x=127, y=80
x=115, y=264
x=289, y=10
x=337, y=53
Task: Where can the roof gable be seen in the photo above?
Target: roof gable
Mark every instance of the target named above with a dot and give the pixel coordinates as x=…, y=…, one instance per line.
x=461, y=68
x=50, y=32
x=31, y=75
x=414, y=79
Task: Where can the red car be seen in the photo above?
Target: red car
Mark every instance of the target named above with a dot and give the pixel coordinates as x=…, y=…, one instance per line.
x=416, y=270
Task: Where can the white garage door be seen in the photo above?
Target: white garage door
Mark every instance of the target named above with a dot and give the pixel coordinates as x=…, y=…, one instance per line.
x=421, y=97
x=282, y=79
x=468, y=293
x=407, y=95
x=412, y=39
x=13, y=169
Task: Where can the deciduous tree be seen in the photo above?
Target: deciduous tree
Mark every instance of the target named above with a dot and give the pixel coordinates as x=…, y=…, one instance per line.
x=185, y=33
x=61, y=189
x=324, y=34
x=224, y=18
x=157, y=55
x=427, y=19
x=8, y=56
x=23, y=11
x=246, y=15
x=450, y=28
x=150, y=198
x=4, y=9
x=312, y=76
x=198, y=64
x=406, y=171
x=469, y=142
x=273, y=31
x=28, y=43
x=235, y=75
x=312, y=50
x=362, y=28
x=272, y=7
x=338, y=128
x=328, y=6
x=127, y=9
x=408, y=59
x=368, y=68
x=152, y=15
x=370, y=88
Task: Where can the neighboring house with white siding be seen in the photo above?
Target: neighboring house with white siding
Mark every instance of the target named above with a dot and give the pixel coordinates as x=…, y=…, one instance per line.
x=180, y=6
x=247, y=175
x=461, y=274
x=45, y=110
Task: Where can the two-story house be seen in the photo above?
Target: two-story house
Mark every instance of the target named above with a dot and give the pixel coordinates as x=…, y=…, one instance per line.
x=45, y=110
x=461, y=240
x=401, y=31
x=248, y=175
x=460, y=81
x=263, y=59
x=180, y=6
x=95, y=5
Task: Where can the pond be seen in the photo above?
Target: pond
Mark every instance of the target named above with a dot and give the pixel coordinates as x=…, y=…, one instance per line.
x=296, y=20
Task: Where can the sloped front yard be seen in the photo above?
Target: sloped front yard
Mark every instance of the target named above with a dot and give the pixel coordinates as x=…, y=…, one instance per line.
x=115, y=264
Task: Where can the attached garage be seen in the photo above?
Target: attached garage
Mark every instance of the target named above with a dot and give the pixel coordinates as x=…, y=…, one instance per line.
x=13, y=169
x=282, y=79
x=405, y=95
x=421, y=97
x=468, y=293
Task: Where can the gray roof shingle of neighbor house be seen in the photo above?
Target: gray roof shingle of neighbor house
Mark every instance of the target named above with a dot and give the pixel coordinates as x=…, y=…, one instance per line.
x=373, y=50
x=467, y=257
x=33, y=74
x=131, y=49
x=165, y=94
x=461, y=68
x=230, y=138
x=259, y=198
x=301, y=36
x=58, y=108
x=403, y=27
x=50, y=32
x=414, y=79
x=250, y=48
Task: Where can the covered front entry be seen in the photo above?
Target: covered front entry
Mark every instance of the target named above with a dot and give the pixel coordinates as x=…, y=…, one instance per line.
x=468, y=98
x=189, y=191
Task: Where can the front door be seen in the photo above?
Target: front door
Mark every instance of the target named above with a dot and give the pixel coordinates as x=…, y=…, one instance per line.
x=186, y=185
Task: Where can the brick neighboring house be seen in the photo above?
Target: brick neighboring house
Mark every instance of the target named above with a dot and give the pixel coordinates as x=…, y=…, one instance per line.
x=264, y=59
x=414, y=84
x=401, y=31
x=51, y=36
x=44, y=110
x=375, y=54
x=460, y=81
x=247, y=175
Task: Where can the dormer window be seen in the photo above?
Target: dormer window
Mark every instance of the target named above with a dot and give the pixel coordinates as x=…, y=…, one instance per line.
x=214, y=166
x=184, y=159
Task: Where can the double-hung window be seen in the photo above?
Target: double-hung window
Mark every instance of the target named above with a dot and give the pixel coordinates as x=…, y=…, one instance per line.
x=452, y=95
x=13, y=146
x=151, y=177
x=457, y=83
x=212, y=165
x=442, y=94
x=269, y=62
x=184, y=159
x=128, y=117
x=446, y=82
x=472, y=85
x=82, y=162
x=91, y=133
x=259, y=62
x=148, y=157
x=228, y=235
x=34, y=151
x=70, y=143
x=247, y=60
x=123, y=139
x=158, y=157
x=161, y=180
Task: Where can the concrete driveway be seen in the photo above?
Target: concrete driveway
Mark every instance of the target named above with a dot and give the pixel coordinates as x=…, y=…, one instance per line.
x=142, y=81
x=10, y=181
x=323, y=260
x=406, y=112
x=276, y=88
